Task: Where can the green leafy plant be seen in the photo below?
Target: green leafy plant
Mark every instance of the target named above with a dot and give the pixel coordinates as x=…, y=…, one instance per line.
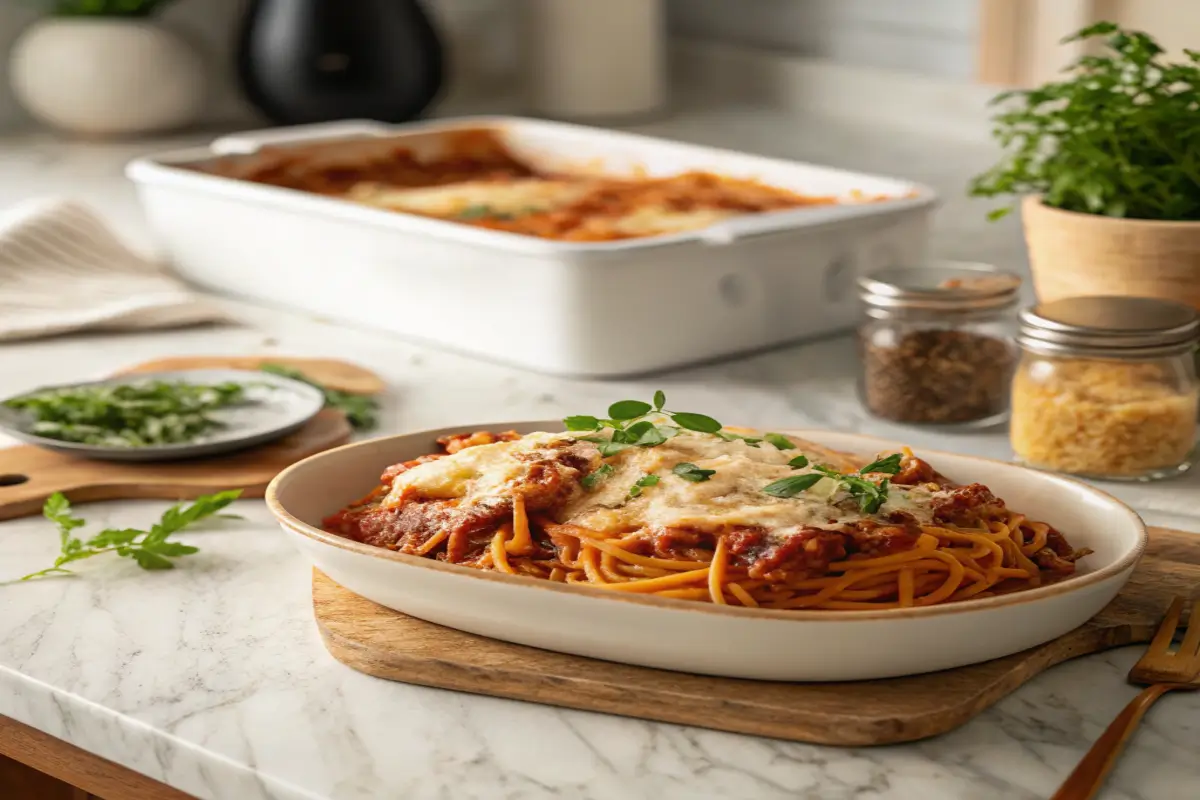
x=361, y=411
x=151, y=549
x=1118, y=137
x=630, y=428
x=101, y=8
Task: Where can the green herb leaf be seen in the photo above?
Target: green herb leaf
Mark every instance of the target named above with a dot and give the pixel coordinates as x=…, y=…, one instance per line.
x=150, y=549
x=798, y=462
x=361, y=410
x=793, y=484
x=690, y=472
x=889, y=464
x=593, y=479
x=733, y=437
x=628, y=409
x=696, y=422
x=612, y=447
x=641, y=483
x=780, y=441
x=660, y=400
x=582, y=423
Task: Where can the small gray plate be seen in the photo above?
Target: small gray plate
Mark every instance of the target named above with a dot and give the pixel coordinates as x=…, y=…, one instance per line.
x=275, y=406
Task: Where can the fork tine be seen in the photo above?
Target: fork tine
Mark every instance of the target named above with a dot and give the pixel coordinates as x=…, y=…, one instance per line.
x=1166, y=631
x=1191, y=640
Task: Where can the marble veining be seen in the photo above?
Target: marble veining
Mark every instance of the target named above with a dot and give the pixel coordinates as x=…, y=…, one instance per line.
x=212, y=677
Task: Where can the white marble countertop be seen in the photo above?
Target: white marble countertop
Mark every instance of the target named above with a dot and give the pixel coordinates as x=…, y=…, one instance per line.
x=212, y=677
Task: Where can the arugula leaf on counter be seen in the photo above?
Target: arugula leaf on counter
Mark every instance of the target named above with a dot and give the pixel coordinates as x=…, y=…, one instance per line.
x=151, y=549
x=361, y=410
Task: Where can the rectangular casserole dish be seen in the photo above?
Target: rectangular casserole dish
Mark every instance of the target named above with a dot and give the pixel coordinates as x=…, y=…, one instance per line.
x=587, y=309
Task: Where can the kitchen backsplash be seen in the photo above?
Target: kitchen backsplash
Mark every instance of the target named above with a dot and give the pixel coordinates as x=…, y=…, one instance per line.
x=930, y=36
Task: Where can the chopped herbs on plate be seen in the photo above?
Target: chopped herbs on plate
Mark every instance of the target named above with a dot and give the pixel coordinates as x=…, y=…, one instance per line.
x=361, y=411
x=140, y=414
x=151, y=549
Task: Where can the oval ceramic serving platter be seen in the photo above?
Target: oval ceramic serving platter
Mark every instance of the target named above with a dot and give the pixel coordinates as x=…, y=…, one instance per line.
x=274, y=407
x=706, y=639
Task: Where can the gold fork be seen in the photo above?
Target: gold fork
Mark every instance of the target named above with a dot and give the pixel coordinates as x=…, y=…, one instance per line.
x=1160, y=671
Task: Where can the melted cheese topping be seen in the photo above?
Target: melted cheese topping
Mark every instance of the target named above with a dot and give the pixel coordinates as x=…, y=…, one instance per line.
x=732, y=496
x=477, y=473
x=458, y=199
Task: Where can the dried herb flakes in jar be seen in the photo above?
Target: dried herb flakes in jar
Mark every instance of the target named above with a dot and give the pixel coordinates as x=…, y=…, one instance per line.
x=936, y=343
x=936, y=376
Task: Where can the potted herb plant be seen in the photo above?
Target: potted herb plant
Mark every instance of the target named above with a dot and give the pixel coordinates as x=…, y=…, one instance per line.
x=106, y=67
x=1109, y=162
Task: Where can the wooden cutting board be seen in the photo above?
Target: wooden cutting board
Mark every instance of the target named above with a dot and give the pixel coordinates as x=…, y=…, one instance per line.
x=387, y=644
x=28, y=474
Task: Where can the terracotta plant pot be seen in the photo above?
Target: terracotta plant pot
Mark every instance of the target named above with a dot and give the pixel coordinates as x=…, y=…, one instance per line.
x=1073, y=254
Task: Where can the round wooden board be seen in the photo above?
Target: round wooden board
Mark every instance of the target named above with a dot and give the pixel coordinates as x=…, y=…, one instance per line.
x=388, y=644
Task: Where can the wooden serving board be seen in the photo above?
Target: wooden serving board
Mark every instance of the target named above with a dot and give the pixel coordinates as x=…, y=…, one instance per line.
x=388, y=644
x=28, y=474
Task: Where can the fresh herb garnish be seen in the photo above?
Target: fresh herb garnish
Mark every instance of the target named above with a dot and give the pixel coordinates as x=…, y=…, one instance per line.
x=641, y=483
x=139, y=414
x=780, y=441
x=629, y=429
x=150, y=549
x=487, y=212
x=889, y=465
x=733, y=437
x=871, y=496
x=798, y=462
x=360, y=410
x=593, y=479
x=690, y=472
x=793, y=484
x=1117, y=137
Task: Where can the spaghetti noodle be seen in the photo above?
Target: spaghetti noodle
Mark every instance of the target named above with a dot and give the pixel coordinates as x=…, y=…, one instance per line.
x=551, y=506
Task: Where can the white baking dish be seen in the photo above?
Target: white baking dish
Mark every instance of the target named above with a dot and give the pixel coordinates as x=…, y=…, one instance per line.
x=587, y=309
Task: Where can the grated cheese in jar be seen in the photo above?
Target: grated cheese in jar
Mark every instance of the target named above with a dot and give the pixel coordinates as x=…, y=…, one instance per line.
x=1102, y=418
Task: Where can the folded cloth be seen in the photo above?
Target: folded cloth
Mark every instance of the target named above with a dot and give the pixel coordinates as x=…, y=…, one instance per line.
x=63, y=270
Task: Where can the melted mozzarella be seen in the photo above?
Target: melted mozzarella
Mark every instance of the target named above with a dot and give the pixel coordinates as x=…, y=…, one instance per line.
x=732, y=496
x=452, y=200
x=475, y=473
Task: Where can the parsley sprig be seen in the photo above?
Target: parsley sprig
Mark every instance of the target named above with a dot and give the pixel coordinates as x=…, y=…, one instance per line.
x=360, y=410
x=870, y=495
x=630, y=428
x=1116, y=137
x=151, y=549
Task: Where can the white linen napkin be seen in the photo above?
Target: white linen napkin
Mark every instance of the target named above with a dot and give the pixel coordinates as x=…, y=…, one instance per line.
x=63, y=270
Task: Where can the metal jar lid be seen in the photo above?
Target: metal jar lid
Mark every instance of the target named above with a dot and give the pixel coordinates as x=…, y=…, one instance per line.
x=945, y=286
x=1114, y=326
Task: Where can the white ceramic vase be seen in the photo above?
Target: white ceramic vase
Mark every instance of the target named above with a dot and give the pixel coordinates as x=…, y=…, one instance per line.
x=107, y=77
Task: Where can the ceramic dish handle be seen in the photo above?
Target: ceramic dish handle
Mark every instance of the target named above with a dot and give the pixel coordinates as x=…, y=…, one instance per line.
x=251, y=141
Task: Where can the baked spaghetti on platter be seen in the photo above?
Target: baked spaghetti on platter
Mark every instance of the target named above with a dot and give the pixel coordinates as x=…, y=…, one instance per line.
x=676, y=505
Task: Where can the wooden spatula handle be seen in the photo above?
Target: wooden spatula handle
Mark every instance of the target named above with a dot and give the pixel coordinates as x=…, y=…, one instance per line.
x=1090, y=773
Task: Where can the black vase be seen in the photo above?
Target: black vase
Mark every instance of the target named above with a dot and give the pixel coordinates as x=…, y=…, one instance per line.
x=305, y=61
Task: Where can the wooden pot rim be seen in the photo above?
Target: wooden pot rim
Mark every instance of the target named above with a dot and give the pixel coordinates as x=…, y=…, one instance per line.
x=1034, y=201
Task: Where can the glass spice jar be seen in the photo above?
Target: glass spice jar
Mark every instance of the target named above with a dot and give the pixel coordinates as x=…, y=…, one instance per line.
x=936, y=343
x=1106, y=387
